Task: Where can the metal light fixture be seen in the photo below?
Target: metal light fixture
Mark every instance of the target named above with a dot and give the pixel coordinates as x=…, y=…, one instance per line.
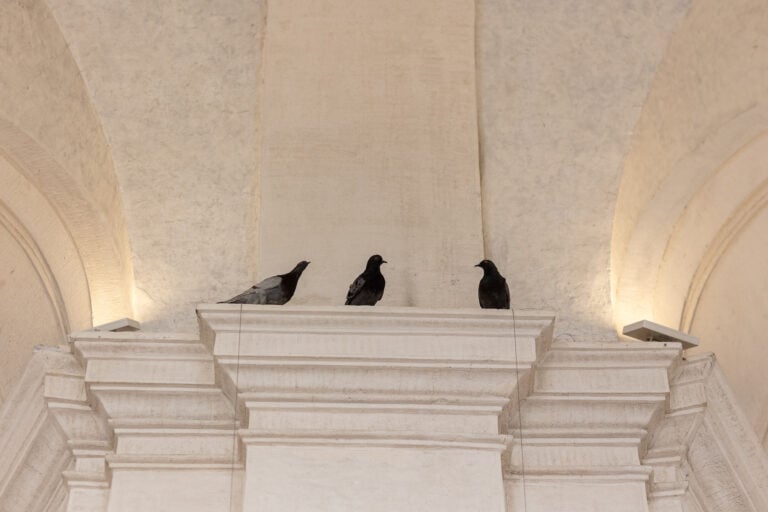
x=124, y=324
x=645, y=330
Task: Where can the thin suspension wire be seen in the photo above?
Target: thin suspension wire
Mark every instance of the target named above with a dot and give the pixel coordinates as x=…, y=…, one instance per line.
x=519, y=410
x=234, y=413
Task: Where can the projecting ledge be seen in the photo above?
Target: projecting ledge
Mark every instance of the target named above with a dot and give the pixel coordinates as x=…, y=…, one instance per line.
x=355, y=341
x=402, y=401
x=360, y=369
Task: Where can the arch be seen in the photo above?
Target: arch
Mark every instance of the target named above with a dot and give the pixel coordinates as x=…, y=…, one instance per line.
x=692, y=218
x=692, y=204
x=75, y=248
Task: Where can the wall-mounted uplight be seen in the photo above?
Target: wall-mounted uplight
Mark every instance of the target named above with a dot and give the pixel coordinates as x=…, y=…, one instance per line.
x=122, y=325
x=645, y=330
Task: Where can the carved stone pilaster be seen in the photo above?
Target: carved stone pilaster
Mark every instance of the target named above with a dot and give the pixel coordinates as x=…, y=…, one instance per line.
x=160, y=394
x=584, y=420
x=343, y=382
x=54, y=441
x=703, y=454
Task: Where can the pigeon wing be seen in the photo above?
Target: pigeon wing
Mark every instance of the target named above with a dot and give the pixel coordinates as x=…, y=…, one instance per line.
x=257, y=294
x=506, y=295
x=270, y=282
x=355, y=288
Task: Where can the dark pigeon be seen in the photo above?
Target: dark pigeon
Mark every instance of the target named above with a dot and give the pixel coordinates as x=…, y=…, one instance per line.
x=493, y=291
x=368, y=288
x=273, y=290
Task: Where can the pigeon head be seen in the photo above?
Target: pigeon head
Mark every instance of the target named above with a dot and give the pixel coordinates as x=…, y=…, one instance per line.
x=375, y=261
x=300, y=266
x=487, y=266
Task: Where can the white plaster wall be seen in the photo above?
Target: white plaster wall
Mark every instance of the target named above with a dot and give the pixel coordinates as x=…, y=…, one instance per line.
x=561, y=85
x=175, y=84
x=45, y=291
x=694, y=177
x=48, y=127
x=732, y=319
x=159, y=490
x=376, y=479
x=28, y=316
x=707, y=102
x=369, y=145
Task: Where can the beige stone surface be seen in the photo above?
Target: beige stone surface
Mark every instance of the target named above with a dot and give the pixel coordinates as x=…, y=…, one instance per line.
x=31, y=318
x=107, y=424
x=685, y=235
x=731, y=317
x=49, y=129
x=175, y=85
x=561, y=85
x=369, y=145
x=143, y=122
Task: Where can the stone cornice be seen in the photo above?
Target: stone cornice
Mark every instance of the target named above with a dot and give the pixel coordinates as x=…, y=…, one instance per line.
x=54, y=442
x=588, y=409
x=703, y=451
x=416, y=381
x=160, y=393
x=384, y=376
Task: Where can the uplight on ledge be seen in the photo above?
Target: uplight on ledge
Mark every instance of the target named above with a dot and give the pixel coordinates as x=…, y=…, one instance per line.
x=645, y=330
x=122, y=325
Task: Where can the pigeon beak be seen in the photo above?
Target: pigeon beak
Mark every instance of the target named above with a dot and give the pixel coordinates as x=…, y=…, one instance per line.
x=384, y=261
x=477, y=265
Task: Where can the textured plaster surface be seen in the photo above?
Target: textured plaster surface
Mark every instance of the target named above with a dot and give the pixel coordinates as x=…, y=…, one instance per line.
x=384, y=479
x=707, y=101
x=28, y=316
x=47, y=124
x=43, y=275
x=561, y=85
x=732, y=317
x=190, y=490
x=696, y=152
x=370, y=146
x=175, y=85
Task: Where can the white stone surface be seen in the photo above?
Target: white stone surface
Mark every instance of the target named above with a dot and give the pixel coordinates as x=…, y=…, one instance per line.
x=383, y=409
x=377, y=479
x=176, y=87
x=369, y=146
x=58, y=194
x=49, y=128
x=730, y=330
x=560, y=88
x=688, y=231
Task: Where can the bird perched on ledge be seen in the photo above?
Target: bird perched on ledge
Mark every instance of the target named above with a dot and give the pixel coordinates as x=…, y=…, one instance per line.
x=493, y=291
x=273, y=290
x=368, y=288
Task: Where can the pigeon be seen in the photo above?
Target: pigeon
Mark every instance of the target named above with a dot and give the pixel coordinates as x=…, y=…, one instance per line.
x=493, y=291
x=368, y=288
x=273, y=290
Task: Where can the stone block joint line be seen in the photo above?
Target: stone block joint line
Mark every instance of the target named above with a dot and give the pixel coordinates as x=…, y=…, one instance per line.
x=234, y=412
x=519, y=409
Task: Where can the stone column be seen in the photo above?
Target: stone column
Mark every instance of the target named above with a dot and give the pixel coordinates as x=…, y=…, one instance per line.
x=377, y=410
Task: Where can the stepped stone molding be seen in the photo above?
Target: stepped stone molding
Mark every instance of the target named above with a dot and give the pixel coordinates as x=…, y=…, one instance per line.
x=53, y=445
x=704, y=455
x=160, y=394
x=379, y=409
x=369, y=388
x=582, y=426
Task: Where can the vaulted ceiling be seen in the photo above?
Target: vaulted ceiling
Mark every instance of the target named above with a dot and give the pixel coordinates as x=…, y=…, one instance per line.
x=621, y=154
